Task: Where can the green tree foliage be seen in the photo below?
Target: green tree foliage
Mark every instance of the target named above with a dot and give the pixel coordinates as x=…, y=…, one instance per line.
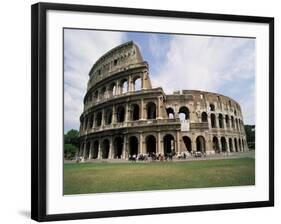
x=69, y=151
x=250, y=134
x=71, y=143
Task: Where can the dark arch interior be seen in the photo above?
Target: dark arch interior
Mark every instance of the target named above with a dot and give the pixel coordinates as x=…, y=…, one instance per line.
x=95, y=149
x=105, y=150
x=135, y=112
x=151, y=110
x=170, y=113
x=108, y=117
x=200, y=144
x=187, y=143
x=150, y=144
x=216, y=144
x=230, y=145
x=220, y=121
x=212, y=107
x=185, y=111
x=120, y=114
x=204, y=117
x=98, y=119
x=213, y=120
x=133, y=145
x=118, y=146
x=168, y=141
x=235, y=144
x=223, y=144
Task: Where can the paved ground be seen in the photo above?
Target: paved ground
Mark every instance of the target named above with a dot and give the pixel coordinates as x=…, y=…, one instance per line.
x=249, y=154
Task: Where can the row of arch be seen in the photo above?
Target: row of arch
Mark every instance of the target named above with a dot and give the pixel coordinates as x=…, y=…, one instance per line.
x=116, y=88
x=118, y=114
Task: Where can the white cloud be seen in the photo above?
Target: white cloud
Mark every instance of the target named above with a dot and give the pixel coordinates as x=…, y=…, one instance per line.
x=81, y=49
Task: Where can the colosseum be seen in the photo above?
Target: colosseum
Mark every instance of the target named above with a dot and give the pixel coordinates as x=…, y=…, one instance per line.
x=124, y=115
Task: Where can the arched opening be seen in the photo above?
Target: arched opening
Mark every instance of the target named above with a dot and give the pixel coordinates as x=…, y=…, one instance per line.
x=135, y=112
x=204, y=117
x=96, y=149
x=235, y=145
x=151, y=110
x=237, y=126
x=170, y=113
x=216, y=146
x=108, y=116
x=150, y=144
x=169, y=144
x=235, y=113
x=86, y=123
x=212, y=107
x=240, y=149
x=103, y=93
x=120, y=113
x=200, y=144
x=118, y=146
x=220, y=121
x=88, y=148
x=187, y=143
x=223, y=144
x=98, y=119
x=213, y=121
x=232, y=122
x=133, y=146
x=105, y=149
x=230, y=145
x=112, y=90
x=96, y=95
x=137, y=84
x=124, y=86
x=183, y=113
x=227, y=121
x=91, y=121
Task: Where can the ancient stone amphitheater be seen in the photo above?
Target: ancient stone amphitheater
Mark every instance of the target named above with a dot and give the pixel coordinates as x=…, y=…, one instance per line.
x=124, y=115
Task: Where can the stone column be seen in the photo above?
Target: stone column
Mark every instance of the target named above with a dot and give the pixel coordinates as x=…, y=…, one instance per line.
x=130, y=84
x=102, y=118
x=193, y=145
x=178, y=142
x=142, y=82
x=223, y=122
x=90, y=152
x=99, y=150
x=142, y=110
x=219, y=138
x=209, y=121
x=124, y=154
x=158, y=143
x=117, y=88
x=84, y=149
x=140, y=143
x=217, y=121
x=114, y=115
x=159, y=114
x=126, y=112
x=111, y=150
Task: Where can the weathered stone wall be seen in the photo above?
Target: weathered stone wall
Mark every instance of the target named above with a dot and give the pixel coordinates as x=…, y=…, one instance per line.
x=124, y=115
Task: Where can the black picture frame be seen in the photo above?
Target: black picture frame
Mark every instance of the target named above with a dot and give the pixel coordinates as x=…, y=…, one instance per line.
x=39, y=108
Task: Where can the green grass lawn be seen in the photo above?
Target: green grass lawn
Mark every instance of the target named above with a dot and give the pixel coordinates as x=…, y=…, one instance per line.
x=117, y=177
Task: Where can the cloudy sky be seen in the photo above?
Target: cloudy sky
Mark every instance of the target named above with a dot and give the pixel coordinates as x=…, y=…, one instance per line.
x=218, y=64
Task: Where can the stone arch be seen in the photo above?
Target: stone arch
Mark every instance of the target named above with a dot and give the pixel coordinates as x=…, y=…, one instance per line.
x=91, y=121
x=137, y=83
x=108, y=116
x=105, y=148
x=235, y=145
x=118, y=147
x=216, y=146
x=232, y=122
x=103, y=93
x=133, y=145
x=88, y=148
x=184, y=113
x=204, y=117
x=170, y=113
x=169, y=143
x=187, y=143
x=124, y=86
x=220, y=121
x=135, y=112
x=151, y=110
x=239, y=143
x=112, y=89
x=227, y=121
x=200, y=144
x=120, y=113
x=230, y=145
x=98, y=119
x=96, y=95
x=223, y=144
x=150, y=141
x=212, y=107
x=96, y=149
x=213, y=121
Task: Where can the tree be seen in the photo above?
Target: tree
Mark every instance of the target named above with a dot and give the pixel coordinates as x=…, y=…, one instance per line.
x=250, y=133
x=69, y=151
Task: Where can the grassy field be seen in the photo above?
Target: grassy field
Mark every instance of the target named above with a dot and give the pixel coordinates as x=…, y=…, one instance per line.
x=117, y=177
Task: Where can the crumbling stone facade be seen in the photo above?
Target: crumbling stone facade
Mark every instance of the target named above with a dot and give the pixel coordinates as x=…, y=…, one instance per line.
x=124, y=115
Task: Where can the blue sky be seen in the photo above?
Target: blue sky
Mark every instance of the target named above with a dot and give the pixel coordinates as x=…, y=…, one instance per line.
x=224, y=65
